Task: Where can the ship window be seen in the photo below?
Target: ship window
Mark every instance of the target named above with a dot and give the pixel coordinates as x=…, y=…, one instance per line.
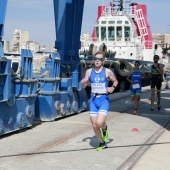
x=103, y=22
x=119, y=22
x=103, y=33
x=111, y=22
x=119, y=33
x=111, y=33
x=127, y=22
x=97, y=32
x=127, y=33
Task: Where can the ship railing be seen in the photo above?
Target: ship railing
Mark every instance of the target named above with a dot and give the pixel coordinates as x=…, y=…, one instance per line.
x=89, y=40
x=106, y=11
x=148, y=44
x=130, y=19
x=137, y=41
x=121, y=42
x=141, y=22
x=109, y=11
x=142, y=28
x=112, y=11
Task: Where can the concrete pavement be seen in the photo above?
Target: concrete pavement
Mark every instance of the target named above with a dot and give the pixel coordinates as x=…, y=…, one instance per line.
x=138, y=142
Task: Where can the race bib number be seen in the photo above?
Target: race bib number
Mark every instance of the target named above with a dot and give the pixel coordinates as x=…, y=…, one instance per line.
x=98, y=88
x=135, y=86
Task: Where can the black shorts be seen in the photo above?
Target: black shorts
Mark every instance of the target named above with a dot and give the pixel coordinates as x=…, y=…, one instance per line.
x=156, y=82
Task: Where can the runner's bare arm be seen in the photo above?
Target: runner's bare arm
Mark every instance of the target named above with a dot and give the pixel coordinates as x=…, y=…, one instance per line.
x=143, y=74
x=128, y=77
x=85, y=80
x=160, y=69
x=110, y=76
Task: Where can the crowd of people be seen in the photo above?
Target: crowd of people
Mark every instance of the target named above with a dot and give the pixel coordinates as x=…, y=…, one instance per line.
x=99, y=77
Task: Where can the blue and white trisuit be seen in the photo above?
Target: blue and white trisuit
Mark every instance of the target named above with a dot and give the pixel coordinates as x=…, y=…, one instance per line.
x=99, y=100
x=135, y=88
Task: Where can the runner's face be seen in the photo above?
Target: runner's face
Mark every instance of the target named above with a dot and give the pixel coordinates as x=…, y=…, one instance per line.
x=155, y=59
x=98, y=60
x=137, y=66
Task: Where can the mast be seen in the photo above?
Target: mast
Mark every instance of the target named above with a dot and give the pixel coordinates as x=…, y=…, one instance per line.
x=121, y=5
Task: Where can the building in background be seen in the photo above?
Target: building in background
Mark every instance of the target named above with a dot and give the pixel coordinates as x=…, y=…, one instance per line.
x=6, y=46
x=33, y=46
x=19, y=37
x=162, y=40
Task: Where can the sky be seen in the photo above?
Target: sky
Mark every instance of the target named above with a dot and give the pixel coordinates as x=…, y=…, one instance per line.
x=37, y=17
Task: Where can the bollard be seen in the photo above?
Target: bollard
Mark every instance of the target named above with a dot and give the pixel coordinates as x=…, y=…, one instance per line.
x=167, y=81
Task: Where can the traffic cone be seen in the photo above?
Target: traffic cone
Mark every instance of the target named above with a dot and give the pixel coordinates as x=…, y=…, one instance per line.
x=135, y=130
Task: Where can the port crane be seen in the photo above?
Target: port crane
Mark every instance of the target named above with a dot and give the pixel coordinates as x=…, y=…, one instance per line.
x=25, y=97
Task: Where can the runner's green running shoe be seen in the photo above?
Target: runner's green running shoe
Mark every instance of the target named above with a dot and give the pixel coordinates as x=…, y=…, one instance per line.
x=105, y=134
x=152, y=108
x=159, y=107
x=101, y=146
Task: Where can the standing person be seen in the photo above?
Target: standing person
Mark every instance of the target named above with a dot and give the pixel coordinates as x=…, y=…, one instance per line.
x=156, y=81
x=135, y=78
x=99, y=77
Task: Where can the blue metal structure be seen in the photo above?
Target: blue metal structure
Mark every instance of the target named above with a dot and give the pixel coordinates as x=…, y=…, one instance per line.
x=48, y=102
x=17, y=94
x=61, y=94
x=3, y=5
x=68, y=20
x=57, y=91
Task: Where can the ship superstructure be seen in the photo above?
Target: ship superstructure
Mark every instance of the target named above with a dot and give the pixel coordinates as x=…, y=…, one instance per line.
x=121, y=34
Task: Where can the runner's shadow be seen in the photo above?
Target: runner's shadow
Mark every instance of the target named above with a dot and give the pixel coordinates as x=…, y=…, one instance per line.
x=93, y=141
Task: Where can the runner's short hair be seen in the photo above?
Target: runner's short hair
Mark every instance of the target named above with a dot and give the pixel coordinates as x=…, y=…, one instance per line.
x=156, y=56
x=137, y=62
x=100, y=52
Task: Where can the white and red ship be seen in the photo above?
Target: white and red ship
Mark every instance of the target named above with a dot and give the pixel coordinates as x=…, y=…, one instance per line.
x=121, y=33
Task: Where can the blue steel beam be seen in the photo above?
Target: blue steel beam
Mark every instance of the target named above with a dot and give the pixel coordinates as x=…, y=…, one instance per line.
x=3, y=6
x=68, y=20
